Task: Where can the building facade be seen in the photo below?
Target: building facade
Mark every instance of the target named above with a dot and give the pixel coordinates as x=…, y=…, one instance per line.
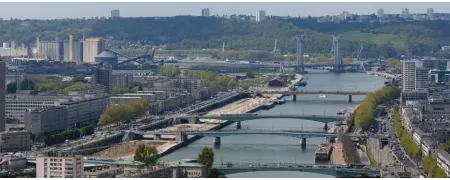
x=205, y=12
x=91, y=48
x=59, y=167
x=260, y=15
x=422, y=78
x=409, y=75
x=84, y=111
x=51, y=50
x=115, y=13
x=17, y=105
x=15, y=141
x=2, y=95
x=46, y=120
x=185, y=83
x=103, y=75
x=122, y=81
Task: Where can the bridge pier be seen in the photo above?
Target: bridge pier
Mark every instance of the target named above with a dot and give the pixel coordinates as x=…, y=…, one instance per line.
x=157, y=136
x=303, y=142
x=216, y=141
x=349, y=98
x=294, y=97
x=238, y=125
x=325, y=126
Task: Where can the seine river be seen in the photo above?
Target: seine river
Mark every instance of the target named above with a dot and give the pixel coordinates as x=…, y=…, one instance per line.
x=274, y=149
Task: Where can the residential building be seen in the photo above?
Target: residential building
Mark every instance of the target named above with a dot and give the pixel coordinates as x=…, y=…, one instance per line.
x=189, y=170
x=150, y=172
x=104, y=172
x=103, y=75
x=260, y=15
x=205, y=12
x=2, y=95
x=15, y=141
x=91, y=48
x=59, y=166
x=84, y=111
x=421, y=79
x=92, y=90
x=45, y=120
x=430, y=13
x=185, y=83
x=122, y=81
x=439, y=76
x=17, y=105
x=443, y=161
x=51, y=50
x=115, y=13
x=409, y=75
x=161, y=83
x=429, y=63
x=122, y=99
x=413, y=95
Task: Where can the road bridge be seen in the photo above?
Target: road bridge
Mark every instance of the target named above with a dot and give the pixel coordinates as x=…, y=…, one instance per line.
x=334, y=170
x=295, y=93
x=181, y=134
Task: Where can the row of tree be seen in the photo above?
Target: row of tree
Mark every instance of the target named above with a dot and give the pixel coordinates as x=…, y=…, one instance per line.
x=349, y=150
x=68, y=135
x=170, y=71
x=210, y=79
x=117, y=91
x=123, y=113
x=366, y=111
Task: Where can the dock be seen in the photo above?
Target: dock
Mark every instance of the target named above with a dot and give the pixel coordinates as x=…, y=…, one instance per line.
x=323, y=151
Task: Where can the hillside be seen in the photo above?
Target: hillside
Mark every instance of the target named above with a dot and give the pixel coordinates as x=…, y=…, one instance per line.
x=187, y=32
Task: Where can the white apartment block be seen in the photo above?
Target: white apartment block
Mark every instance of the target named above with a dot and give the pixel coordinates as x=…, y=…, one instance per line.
x=260, y=15
x=59, y=167
x=409, y=75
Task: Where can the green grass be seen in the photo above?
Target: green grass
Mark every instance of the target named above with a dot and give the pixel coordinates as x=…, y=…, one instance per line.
x=379, y=39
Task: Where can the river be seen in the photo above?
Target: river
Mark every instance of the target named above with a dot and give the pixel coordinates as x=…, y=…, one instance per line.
x=274, y=149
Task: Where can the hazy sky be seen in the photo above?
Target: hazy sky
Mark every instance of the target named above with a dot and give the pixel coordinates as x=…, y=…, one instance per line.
x=52, y=10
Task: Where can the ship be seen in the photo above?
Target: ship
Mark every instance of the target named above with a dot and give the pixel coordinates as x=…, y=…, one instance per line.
x=301, y=83
x=323, y=151
x=323, y=96
x=280, y=101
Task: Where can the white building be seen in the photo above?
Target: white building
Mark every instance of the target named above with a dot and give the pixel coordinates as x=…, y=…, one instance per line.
x=380, y=13
x=260, y=15
x=59, y=167
x=409, y=75
x=430, y=13
x=115, y=13
x=443, y=161
x=205, y=12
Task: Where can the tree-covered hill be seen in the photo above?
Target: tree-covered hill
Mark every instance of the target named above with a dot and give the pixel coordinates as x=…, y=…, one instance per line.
x=188, y=32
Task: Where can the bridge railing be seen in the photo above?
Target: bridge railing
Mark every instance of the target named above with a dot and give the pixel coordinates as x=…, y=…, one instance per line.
x=269, y=115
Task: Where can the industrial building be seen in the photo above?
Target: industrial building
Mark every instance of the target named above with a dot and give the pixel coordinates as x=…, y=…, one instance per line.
x=122, y=81
x=106, y=58
x=73, y=50
x=91, y=48
x=50, y=50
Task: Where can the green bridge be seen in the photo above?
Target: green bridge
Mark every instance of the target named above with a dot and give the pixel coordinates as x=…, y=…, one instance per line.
x=246, y=117
x=333, y=170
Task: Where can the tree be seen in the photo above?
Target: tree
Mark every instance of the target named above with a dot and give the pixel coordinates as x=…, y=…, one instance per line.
x=147, y=155
x=11, y=88
x=27, y=84
x=206, y=157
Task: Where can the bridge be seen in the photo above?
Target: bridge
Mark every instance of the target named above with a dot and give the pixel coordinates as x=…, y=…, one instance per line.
x=181, y=134
x=251, y=116
x=334, y=170
x=295, y=93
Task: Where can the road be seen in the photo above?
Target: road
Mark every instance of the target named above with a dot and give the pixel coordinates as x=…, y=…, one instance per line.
x=392, y=158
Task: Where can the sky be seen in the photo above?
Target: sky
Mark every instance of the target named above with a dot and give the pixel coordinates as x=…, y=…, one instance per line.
x=54, y=10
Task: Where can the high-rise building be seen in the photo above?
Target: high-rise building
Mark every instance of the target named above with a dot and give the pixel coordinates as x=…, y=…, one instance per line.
x=51, y=50
x=115, y=13
x=422, y=78
x=380, y=13
x=260, y=15
x=205, y=12
x=52, y=166
x=405, y=13
x=103, y=75
x=409, y=75
x=430, y=13
x=91, y=48
x=2, y=95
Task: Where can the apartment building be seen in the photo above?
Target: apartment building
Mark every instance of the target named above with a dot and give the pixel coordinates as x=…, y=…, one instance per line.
x=59, y=166
x=17, y=105
x=104, y=172
x=443, y=161
x=15, y=141
x=84, y=111
x=185, y=83
x=44, y=120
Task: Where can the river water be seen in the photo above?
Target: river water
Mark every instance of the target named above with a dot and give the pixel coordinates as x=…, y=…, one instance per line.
x=274, y=149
